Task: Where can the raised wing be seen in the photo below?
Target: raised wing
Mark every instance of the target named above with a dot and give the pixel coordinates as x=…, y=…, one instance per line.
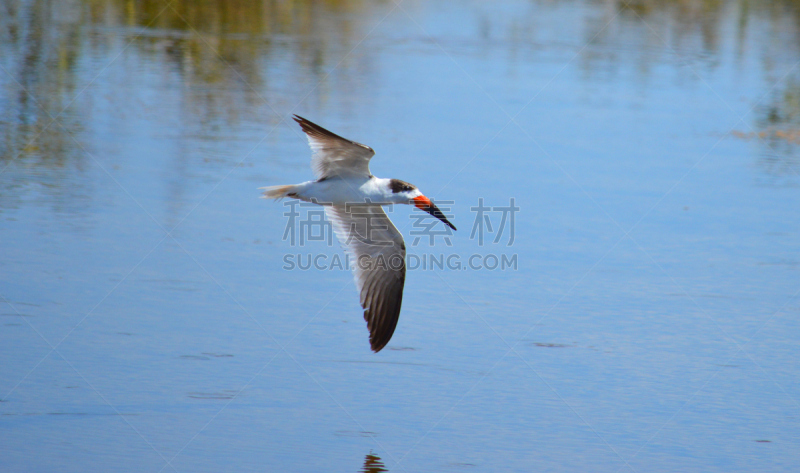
x=378, y=255
x=333, y=155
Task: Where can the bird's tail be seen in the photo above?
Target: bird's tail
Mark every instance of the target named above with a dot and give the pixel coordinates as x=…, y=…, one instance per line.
x=278, y=192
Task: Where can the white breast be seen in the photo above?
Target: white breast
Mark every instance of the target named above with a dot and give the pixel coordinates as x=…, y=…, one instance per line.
x=340, y=191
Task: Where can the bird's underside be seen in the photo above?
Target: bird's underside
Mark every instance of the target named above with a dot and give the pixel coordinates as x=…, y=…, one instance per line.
x=349, y=193
x=375, y=246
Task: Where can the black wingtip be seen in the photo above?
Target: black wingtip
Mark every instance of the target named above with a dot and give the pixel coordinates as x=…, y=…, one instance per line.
x=378, y=347
x=311, y=128
x=377, y=343
x=303, y=122
x=308, y=126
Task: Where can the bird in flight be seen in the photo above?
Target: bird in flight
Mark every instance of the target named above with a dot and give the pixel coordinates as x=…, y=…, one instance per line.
x=353, y=200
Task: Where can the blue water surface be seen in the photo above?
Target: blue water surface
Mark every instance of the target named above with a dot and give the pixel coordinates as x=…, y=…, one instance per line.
x=649, y=321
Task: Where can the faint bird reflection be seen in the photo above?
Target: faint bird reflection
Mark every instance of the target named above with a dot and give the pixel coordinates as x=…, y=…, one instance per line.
x=373, y=464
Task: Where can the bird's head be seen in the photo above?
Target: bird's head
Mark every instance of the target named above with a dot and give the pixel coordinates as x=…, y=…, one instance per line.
x=409, y=194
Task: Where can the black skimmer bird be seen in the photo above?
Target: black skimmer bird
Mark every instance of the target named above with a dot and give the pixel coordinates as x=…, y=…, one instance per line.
x=353, y=200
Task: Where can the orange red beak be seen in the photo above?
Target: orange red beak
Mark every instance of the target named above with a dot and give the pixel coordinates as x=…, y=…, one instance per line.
x=424, y=203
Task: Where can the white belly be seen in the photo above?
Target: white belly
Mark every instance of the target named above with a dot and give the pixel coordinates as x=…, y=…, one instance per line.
x=338, y=191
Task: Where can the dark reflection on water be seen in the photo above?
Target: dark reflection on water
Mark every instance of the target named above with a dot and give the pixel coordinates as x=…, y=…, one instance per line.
x=238, y=61
x=551, y=345
x=231, y=55
x=694, y=34
x=353, y=433
x=372, y=464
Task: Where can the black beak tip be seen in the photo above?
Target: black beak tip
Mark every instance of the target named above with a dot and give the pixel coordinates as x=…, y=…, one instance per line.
x=434, y=210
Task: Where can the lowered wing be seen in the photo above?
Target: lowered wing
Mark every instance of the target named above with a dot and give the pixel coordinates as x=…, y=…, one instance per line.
x=378, y=253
